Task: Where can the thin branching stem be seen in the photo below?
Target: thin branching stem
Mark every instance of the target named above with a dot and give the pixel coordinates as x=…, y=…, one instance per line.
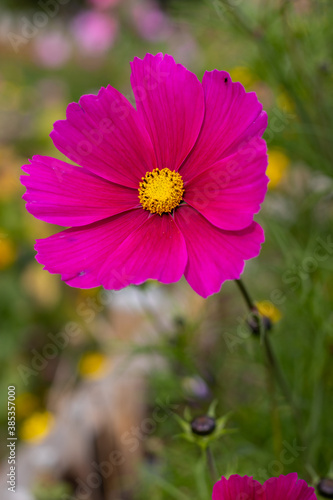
x=211, y=465
x=273, y=363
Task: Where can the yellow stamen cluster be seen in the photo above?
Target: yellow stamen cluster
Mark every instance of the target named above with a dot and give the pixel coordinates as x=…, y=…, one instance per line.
x=161, y=191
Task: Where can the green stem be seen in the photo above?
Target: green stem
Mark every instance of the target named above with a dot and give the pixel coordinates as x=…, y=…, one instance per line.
x=272, y=360
x=257, y=34
x=246, y=295
x=278, y=372
x=211, y=465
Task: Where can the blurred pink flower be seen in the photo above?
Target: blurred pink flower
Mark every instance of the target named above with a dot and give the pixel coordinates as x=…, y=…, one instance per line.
x=52, y=49
x=287, y=487
x=94, y=32
x=151, y=22
x=103, y=4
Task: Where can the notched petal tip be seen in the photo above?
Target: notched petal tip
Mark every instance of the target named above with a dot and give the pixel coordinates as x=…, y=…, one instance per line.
x=215, y=255
x=104, y=134
x=148, y=57
x=170, y=102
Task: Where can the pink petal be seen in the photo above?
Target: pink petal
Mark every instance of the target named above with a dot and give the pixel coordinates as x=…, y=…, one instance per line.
x=232, y=118
x=229, y=192
x=67, y=195
x=237, y=488
x=288, y=488
x=215, y=255
x=105, y=134
x=78, y=254
x=156, y=250
x=170, y=101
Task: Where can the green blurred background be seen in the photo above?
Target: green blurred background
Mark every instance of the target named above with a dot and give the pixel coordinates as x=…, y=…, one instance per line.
x=192, y=351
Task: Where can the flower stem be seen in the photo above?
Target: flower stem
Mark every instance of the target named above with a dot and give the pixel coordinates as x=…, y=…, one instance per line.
x=278, y=372
x=271, y=358
x=211, y=465
x=245, y=294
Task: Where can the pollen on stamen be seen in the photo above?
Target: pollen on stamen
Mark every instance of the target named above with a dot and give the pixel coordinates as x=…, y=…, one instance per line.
x=161, y=191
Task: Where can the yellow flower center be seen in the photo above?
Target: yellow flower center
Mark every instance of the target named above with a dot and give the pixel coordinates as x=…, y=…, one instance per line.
x=161, y=191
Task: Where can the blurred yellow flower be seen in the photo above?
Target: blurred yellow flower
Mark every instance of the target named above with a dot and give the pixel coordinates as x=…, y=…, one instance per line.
x=285, y=103
x=45, y=120
x=37, y=426
x=7, y=250
x=278, y=163
x=26, y=403
x=33, y=227
x=10, y=164
x=93, y=365
x=243, y=75
x=40, y=285
x=11, y=96
x=268, y=309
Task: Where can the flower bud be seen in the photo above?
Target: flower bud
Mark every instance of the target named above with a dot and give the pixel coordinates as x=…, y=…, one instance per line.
x=325, y=488
x=254, y=325
x=203, y=426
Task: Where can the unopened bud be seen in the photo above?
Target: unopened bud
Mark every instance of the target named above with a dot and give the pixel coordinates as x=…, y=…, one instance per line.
x=325, y=488
x=253, y=322
x=203, y=426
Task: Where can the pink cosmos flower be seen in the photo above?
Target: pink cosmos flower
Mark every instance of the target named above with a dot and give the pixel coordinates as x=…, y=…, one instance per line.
x=94, y=31
x=164, y=190
x=276, y=488
x=52, y=49
x=151, y=22
x=104, y=4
